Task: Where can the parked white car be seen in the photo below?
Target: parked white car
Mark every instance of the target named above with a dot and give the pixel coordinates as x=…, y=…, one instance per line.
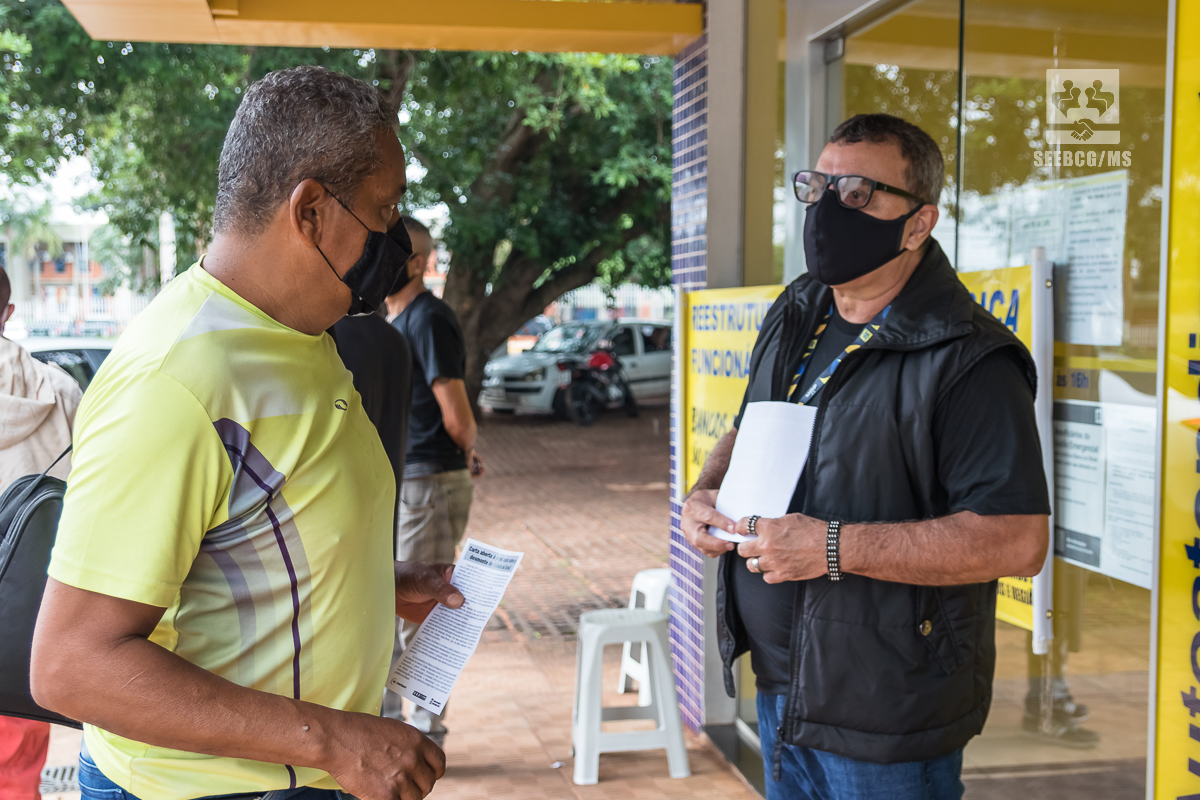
x=532, y=382
x=81, y=357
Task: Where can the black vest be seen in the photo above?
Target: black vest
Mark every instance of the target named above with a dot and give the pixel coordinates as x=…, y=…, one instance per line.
x=866, y=682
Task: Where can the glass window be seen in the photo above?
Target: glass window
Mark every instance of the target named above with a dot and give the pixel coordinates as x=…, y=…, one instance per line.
x=907, y=66
x=73, y=361
x=623, y=344
x=573, y=337
x=1062, y=148
x=655, y=338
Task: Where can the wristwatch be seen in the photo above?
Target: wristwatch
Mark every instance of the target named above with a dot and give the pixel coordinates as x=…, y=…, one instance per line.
x=833, y=550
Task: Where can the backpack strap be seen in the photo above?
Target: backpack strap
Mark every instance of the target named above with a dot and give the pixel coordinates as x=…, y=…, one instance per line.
x=20, y=501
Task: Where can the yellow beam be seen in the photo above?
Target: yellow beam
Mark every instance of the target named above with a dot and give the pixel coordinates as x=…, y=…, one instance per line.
x=532, y=25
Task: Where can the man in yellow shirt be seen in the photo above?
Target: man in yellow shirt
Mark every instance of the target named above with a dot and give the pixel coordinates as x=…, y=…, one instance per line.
x=221, y=595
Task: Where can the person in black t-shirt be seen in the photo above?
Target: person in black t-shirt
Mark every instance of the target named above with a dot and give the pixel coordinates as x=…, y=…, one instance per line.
x=440, y=462
x=378, y=358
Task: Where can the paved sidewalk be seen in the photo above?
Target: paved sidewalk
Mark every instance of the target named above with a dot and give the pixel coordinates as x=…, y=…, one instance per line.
x=589, y=508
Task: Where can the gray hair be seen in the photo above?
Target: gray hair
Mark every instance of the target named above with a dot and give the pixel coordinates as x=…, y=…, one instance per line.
x=295, y=124
x=925, y=172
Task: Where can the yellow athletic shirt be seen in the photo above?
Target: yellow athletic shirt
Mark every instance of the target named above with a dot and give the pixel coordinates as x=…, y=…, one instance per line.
x=224, y=469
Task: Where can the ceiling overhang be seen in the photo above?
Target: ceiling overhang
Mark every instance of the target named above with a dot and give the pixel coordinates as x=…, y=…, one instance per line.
x=531, y=25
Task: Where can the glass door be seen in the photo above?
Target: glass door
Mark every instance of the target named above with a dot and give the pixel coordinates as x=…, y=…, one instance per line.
x=1050, y=115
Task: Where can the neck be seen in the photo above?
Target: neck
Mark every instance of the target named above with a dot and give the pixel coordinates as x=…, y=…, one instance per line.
x=860, y=300
x=249, y=268
x=403, y=298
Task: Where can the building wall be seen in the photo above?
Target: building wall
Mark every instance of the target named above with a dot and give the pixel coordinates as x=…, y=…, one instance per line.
x=689, y=266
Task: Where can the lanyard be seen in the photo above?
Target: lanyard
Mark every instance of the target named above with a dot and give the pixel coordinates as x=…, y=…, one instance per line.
x=865, y=336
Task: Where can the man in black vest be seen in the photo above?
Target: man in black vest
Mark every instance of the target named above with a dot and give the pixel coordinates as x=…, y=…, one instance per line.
x=869, y=610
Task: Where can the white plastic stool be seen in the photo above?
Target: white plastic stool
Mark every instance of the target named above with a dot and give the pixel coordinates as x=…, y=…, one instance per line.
x=654, y=585
x=610, y=626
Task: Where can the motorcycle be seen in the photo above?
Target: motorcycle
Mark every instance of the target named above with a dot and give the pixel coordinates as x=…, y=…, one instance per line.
x=597, y=382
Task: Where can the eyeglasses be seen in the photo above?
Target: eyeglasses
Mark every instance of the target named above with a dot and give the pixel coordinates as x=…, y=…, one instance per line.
x=853, y=191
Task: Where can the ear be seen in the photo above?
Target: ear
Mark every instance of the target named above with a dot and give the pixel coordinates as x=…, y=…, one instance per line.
x=921, y=226
x=308, y=211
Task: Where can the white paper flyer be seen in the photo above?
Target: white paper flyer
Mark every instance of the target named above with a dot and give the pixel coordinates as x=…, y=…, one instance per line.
x=768, y=457
x=435, y=657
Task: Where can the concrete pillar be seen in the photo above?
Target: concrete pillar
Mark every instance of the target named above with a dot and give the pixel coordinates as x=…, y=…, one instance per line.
x=726, y=141
x=761, y=122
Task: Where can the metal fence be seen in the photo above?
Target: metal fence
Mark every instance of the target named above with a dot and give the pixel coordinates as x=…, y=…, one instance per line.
x=75, y=316
x=628, y=300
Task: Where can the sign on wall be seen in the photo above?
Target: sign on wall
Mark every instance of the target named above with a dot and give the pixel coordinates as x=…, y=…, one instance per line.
x=720, y=327
x=1005, y=293
x=1177, y=679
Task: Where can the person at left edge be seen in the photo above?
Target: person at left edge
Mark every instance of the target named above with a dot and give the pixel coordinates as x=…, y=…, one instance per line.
x=221, y=592
x=37, y=409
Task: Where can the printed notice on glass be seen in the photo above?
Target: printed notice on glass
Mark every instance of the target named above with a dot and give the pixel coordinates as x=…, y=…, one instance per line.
x=435, y=657
x=1092, y=301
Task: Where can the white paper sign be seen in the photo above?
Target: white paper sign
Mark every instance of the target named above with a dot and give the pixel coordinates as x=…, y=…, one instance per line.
x=768, y=457
x=435, y=657
x=1104, y=487
x=1081, y=224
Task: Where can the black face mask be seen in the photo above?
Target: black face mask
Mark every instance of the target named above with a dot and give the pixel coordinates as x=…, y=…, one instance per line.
x=381, y=270
x=841, y=244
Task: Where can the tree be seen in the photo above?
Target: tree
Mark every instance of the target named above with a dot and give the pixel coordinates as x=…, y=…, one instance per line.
x=30, y=233
x=29, y=228
x=570, y=181
x=555, y=168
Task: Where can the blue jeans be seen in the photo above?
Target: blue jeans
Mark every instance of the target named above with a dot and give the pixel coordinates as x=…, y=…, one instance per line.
x=93, y=785
x=815, y=775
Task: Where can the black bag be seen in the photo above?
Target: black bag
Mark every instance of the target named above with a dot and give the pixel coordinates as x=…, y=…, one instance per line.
x=29, y=512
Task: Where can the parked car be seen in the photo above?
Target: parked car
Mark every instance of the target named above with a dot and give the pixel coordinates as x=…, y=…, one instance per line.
x=80, y=357
x=528, y=334
x=536, y=380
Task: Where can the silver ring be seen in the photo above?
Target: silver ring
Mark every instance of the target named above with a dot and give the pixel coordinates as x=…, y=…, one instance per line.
x=750, y=523
x=752, y=564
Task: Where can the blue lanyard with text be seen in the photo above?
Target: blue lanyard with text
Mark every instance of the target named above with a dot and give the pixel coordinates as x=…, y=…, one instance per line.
x=865, y=336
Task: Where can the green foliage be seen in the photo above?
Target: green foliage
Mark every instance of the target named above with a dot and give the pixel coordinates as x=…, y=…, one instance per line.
x=557, y=154
x=125, y=259
x=30, y=227
x=565, y=159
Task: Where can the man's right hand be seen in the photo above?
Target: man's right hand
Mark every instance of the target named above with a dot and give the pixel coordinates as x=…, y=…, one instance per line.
x=383, y=759
x=699, y=511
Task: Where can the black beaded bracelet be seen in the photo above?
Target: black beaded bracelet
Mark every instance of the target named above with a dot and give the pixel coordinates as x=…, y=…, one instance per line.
x=833, y=556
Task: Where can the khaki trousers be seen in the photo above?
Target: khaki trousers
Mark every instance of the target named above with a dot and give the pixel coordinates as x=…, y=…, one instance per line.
x=433, y=517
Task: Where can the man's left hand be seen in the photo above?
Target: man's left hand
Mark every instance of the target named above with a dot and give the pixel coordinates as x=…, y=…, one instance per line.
x=475, y=463
x=790, y=548
x=420, y=587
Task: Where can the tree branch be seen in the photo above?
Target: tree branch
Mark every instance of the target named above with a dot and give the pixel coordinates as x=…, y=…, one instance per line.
x=511, y=149
x=400, y=64
x=581, y=273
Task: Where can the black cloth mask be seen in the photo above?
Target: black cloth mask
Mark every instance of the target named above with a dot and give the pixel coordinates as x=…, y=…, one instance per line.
x=841, y=244
x=381, y=270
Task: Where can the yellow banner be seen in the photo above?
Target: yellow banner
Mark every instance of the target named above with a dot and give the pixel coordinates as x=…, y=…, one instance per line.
x=1006, y=294
x=1177, y=749
x=720, y=328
